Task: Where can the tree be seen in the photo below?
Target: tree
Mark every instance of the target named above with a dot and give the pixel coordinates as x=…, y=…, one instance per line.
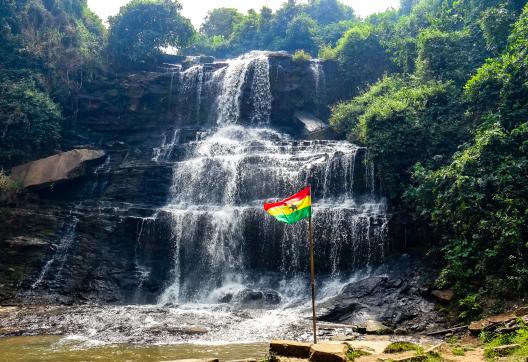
x=301, y=34
x=361, y=57
x=143, y=27
x=447, y=55
x=325, y=12
x=221, y=22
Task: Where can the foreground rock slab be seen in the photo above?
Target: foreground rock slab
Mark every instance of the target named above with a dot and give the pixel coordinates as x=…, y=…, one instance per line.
x=328, y=352
x=290, y=348
x=54, y=169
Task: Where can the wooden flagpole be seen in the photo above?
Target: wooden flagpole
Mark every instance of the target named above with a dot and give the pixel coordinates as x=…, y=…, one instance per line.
x=312, y=272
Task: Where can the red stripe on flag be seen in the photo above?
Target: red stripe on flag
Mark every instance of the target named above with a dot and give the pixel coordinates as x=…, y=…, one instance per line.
x=300, y=195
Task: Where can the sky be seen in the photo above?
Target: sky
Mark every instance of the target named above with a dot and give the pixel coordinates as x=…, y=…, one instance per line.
x=196, y=10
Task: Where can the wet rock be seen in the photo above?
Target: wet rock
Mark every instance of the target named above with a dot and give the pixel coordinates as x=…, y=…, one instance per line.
x=26, y=241
x=506, y=349
x=391, y=296
x=251, y=297
x=290, y=348
x=521, y=312
x=342, y=338
x=443, y=295
x=206, y=59
x=226, y=298
x=58, y=168
x=375, y=327
x=491, y=322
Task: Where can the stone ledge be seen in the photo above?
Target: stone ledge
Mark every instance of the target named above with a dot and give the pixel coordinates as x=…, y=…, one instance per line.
x=290, y=348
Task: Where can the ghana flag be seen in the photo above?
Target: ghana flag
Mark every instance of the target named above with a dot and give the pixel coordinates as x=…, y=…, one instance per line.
x=292, y=209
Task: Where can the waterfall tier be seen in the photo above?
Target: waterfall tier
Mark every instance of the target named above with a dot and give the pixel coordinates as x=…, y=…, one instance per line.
x=221, y=233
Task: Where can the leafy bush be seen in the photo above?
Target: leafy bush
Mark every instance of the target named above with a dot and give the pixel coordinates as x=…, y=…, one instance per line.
x=470, y=307
x=402, y=122
x=29, y=121
x=478, y=203
x=301, y=56
x=352, y=354
x=327, y=53
x=361, y=57
x=7, y=184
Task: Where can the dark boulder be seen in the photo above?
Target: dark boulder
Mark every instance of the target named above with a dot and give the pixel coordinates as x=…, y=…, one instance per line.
x=392, y=296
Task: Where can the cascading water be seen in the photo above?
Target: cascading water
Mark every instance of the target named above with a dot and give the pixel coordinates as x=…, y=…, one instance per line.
x=221, y=234
x=319, y=79
x=233, y=83
x=191, y=87
x=224, y=244
x=55, y=264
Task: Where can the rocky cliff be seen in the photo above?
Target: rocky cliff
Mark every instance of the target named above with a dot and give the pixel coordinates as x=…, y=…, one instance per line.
x=101, y=237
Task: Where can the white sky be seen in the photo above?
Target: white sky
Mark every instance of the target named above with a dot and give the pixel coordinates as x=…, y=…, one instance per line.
x=196, y=10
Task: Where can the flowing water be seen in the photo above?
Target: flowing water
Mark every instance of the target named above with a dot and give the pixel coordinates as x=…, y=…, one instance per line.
x=318, y=73
x=235, y=271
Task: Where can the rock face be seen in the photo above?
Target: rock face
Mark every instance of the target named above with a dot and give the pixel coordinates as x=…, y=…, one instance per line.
x=93, y=238
x=55, y=169
x=392, y=297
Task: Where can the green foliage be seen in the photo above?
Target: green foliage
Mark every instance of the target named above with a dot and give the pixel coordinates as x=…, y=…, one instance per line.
x=7, y=184
x=352, y=354
x=361, y=57
x=294, y=26
x=478, y=202
x=47, y=50
x=143, y=27
x=301, y=34
x=519, y=337
x=470, y=307
x=402, y=122
x=458, y=351
x=327, y=53
x=29, y=122
x=220, y=22
x=446, y=55
x=454, y=153
x=301, y=56
x=396, y=347
x=270, y=357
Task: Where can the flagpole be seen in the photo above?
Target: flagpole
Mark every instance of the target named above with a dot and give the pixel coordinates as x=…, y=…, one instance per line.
x=312, y=273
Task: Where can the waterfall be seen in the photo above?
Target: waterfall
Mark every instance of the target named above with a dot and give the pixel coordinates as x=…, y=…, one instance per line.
x=58, y=259
x=221, y=234
x=191, y=87
x=223, y=243
x=235, y=80
x=318, y=74
x=164, y=151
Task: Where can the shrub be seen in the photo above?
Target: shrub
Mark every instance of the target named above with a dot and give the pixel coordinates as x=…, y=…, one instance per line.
x=301, y=56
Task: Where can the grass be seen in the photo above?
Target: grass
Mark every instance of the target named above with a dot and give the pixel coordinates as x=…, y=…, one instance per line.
x=396, y=347
x=458, y=351
x=352, y=354
x=520, y=337
x=270, y=357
